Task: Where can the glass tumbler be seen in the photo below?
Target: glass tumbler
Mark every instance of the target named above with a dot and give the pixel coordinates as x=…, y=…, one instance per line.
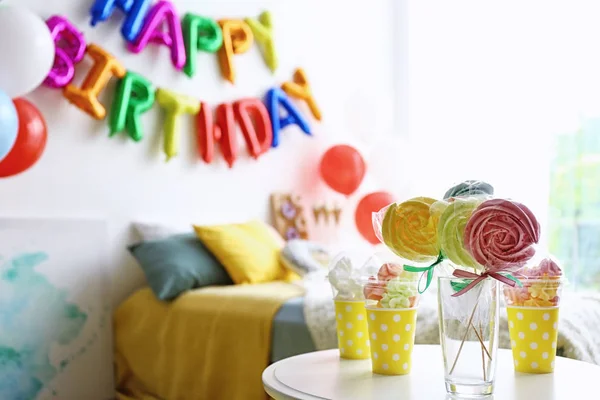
x=469, y=335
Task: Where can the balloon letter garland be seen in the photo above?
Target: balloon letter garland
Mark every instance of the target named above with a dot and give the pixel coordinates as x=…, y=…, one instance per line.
x=199, y=33
x=263, y=32
x=300, y=89
x=276, y=97
x=134, y=9
x=86, y=97
x=152, y=32
x=134, y=96
x=259, y=138
x=260, y=123
x=237, y=39
x=63, y=70
x=174, y=105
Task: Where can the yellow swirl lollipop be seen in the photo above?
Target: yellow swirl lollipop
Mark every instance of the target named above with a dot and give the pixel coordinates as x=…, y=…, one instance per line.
x=410, y=230
x=451, y=231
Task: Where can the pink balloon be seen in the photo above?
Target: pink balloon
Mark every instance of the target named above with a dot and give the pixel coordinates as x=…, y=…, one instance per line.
x=69, y=50
x=152, y=32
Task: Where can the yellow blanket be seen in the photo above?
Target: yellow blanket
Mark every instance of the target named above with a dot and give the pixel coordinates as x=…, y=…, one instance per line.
x=212, y=343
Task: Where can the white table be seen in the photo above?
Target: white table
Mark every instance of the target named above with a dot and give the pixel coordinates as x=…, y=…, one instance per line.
x=323, y=375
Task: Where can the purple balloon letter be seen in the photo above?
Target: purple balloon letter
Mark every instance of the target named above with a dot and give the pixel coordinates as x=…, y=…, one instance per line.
x=69, y=46
x=152, y=32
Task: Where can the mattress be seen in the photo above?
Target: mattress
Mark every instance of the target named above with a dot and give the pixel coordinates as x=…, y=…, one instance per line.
x=290, y=335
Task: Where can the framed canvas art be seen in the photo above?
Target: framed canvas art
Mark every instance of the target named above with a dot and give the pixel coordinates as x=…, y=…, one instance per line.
x=55, y=330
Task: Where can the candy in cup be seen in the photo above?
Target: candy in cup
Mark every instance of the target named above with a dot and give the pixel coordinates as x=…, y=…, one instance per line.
x=350, y=315
x=533, y=316
x=391, y=299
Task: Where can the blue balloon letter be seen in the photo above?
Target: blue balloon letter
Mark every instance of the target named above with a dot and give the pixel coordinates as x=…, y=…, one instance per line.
x=134, y=9
x=276, y=97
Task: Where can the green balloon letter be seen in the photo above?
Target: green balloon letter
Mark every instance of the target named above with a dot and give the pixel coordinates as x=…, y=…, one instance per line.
x=199, y=33
x=134, y=96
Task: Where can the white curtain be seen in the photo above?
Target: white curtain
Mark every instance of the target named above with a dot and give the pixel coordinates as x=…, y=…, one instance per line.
x=493, y=87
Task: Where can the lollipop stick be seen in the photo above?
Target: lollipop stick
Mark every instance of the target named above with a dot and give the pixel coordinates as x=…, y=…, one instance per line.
x=480, y=337
x=482, y=352
x=466, y=332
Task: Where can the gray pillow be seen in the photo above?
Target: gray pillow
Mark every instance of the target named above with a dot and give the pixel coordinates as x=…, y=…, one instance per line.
x=178, y=263
x=303, y=256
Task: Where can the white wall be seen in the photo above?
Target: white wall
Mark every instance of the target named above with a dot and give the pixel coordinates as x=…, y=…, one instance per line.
x=345, y=46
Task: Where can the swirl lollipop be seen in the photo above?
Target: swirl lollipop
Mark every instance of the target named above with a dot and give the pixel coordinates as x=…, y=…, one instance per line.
x=409, y=230
x=500, y=234
x=451, y=230
x=469, y=188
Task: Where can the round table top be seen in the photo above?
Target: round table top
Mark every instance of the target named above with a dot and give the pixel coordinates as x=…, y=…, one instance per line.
x=323, y=375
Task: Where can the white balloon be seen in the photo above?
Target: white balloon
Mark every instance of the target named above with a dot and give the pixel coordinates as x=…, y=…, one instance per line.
x=26, y=51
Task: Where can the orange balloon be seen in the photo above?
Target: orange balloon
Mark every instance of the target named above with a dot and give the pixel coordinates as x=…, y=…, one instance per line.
x=369, y=204
x=31, y=140
x=86, y=97
x=237, y=39
x=343, y=169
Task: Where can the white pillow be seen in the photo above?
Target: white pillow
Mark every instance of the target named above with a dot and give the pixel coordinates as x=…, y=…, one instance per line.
x=147, y=231
x=304, y=257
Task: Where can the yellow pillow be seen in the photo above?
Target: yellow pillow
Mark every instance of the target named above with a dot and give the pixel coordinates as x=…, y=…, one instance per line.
x=248, y=251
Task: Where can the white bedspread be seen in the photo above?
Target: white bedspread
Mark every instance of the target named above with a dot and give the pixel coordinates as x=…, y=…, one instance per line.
x=578, y=336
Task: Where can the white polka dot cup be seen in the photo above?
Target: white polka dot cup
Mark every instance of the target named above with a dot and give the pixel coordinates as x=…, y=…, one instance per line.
x=352, y=329
x=533, y=334
x=392, y=336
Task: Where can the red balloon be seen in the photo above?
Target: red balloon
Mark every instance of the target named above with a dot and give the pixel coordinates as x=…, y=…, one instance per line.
x=31, y=140
x=343, y=169
x=366, y=207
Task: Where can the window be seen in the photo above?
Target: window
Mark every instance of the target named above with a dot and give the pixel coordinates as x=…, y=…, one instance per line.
x=494, y=88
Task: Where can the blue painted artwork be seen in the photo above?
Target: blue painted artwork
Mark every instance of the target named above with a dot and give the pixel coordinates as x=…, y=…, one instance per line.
x=34, y=316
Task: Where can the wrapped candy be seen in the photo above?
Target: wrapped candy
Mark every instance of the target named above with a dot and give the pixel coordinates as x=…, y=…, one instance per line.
x=392, y=287
x=479, y=235
x=344, y=279
x=542, y=281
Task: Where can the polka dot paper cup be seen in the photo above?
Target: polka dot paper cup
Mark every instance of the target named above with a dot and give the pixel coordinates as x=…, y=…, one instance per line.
x=392, y=336
x=352, y=329
x=533, y=334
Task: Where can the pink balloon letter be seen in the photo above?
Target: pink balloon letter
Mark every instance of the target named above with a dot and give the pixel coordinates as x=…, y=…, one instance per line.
x=69, y=50
x=152, y=32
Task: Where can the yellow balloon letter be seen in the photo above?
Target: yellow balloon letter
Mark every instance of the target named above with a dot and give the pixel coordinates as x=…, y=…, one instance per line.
x=263, y=32
x=174, y=105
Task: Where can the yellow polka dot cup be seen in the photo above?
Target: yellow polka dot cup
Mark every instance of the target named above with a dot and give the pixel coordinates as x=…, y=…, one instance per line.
x=352, y=329
x=392, y=338
x=533, y=334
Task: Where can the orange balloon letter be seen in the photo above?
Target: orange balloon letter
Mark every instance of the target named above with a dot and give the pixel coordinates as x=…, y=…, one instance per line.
x=86, y=97
x=300, y=89
x=237, y=39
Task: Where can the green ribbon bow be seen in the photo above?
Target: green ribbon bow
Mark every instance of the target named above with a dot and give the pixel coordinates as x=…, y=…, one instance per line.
x=426, y=271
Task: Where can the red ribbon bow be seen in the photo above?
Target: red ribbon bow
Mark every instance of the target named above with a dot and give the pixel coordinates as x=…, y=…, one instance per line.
x=459, y=273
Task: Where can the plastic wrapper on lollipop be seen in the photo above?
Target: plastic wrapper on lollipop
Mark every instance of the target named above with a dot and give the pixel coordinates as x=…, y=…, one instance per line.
x=469, y=233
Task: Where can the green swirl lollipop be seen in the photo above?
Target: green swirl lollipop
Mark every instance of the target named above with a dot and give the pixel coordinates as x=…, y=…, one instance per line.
x=451, y=230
